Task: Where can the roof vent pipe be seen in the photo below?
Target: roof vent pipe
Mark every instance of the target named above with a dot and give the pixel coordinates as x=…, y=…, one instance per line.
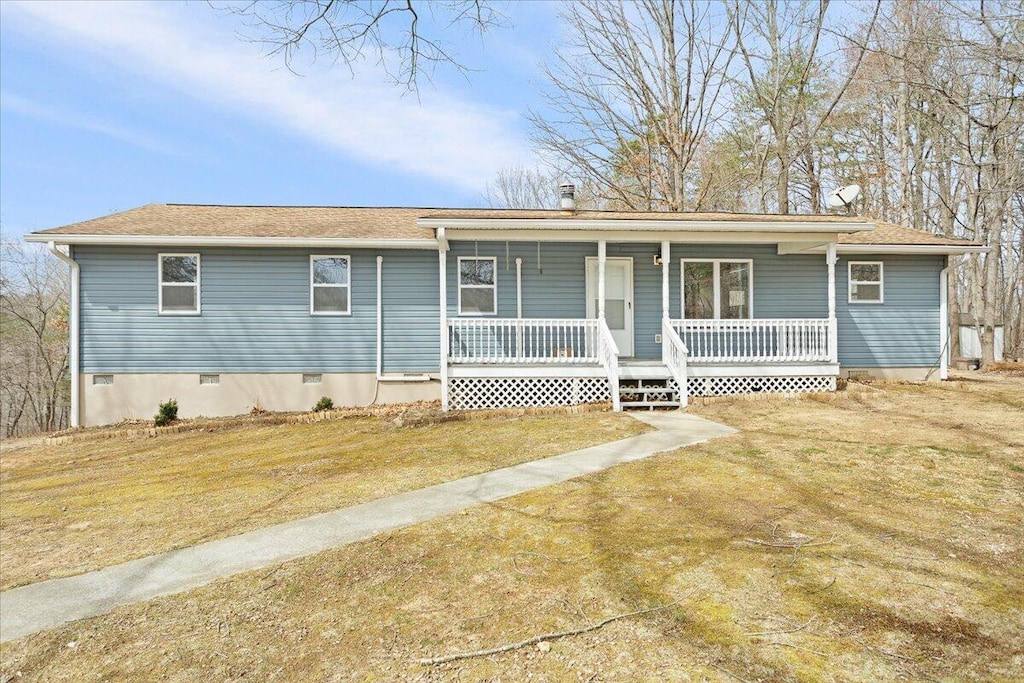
x=567, y=192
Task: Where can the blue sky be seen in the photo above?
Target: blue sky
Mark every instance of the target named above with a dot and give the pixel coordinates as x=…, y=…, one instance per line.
x=108, y=106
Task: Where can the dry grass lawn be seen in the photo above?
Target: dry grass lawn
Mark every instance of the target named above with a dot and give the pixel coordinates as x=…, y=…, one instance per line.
x=829, y=541
x=73, y=508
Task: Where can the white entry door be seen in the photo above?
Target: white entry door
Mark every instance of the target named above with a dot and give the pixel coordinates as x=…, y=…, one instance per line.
x=618, y=299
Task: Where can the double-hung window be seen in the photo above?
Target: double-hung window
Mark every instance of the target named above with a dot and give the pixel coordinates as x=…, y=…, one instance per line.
x=717, y=288
x=330, y=289
x=179, y=284
x=477, y=286
x=865, y=279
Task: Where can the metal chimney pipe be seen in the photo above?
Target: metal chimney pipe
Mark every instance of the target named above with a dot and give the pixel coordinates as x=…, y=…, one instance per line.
x=567, y=192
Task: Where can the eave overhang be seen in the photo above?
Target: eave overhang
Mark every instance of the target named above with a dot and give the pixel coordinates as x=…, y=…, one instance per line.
x=630, y=226
x=909, y=249
x=222, y=241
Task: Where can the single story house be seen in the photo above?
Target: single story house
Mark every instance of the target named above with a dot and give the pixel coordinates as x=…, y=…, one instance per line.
x=229, y=307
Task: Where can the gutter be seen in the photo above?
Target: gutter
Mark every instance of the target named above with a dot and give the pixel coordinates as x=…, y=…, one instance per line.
x=641, y=224
x=933, y=249
x=210, y=241
x=73, y=324
x=937, y=249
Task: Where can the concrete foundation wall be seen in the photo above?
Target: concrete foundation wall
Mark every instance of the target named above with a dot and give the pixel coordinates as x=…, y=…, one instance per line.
x=137, y=395
x=903, y=374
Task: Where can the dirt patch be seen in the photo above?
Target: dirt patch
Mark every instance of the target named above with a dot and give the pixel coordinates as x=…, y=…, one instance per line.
x=913, y=570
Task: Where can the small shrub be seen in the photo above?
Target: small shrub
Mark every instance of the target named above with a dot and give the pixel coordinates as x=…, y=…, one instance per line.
x=166, y=413
x=325, y=403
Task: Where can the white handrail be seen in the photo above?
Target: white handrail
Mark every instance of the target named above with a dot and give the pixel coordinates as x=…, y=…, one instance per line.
x=762, y=340
x=522, y=340
x=673, y=355
x=608, y=352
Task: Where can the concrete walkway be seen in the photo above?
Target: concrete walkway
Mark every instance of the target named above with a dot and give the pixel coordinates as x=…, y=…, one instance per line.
x=47, y=604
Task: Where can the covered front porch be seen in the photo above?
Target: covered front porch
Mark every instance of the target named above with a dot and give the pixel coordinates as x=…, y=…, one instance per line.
x=631, y=335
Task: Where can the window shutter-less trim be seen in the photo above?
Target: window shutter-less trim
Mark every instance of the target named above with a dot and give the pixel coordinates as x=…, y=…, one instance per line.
x=178, y=284
x=330, y=284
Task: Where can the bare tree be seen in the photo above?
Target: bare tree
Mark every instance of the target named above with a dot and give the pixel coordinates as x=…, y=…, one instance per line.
x=633, y=95
x=34, y=382
x=404, y=37
x=960, y=135
x=781, y=46
x=519, y=187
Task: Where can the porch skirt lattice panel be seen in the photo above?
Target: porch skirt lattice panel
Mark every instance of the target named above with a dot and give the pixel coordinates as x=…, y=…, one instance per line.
x=728, y=386
x=474, y=393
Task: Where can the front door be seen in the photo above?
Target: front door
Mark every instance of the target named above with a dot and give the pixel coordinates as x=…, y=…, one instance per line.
x=618, y=299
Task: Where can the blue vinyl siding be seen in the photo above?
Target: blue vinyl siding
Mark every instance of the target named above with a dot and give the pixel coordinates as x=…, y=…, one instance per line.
x=255, y=314
x=255, y=305
x=554, y=290
x=902, y=332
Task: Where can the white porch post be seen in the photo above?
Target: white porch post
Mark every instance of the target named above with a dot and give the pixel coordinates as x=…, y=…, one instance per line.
x=602, y=255
x=442, y=264
x=665, y=261
x=833, y=328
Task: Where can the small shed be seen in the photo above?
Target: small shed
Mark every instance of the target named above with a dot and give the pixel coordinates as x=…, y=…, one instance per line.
x=970, y=343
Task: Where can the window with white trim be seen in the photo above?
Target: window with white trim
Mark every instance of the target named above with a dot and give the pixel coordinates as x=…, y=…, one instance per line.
x=330, y=289
x=717, y=288
x=865, y=278
x=478, y=291
x=179, y=284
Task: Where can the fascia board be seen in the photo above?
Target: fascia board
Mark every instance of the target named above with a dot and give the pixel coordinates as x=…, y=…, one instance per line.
x=213, y=241
x=638, y=236
x=627, y=225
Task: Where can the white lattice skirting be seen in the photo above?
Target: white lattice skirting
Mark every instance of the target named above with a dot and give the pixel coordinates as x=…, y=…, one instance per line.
x=474, y=393
x=727, y=386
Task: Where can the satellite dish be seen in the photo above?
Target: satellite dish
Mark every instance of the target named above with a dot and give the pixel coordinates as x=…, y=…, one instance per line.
x=843, y=197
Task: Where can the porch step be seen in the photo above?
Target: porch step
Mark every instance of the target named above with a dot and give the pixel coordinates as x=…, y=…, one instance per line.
x=650, y=404
x=647, y=394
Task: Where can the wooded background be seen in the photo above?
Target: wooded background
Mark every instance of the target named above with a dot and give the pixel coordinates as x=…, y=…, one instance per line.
x=684, y=105
x=764, y=107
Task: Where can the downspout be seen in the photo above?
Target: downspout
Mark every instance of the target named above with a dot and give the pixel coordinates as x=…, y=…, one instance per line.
x=944, y=322
x=73, y=315
x=381, y=377
x=442, y=268
x=519, y=307
x=380, y=319
x=519, y=288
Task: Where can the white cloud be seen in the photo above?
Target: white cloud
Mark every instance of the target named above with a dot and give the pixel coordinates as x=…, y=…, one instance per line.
x=187, y=49
x=26, y=107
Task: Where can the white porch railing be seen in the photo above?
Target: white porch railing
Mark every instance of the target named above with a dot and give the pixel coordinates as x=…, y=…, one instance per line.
x=758, y=340
x=673, y=356
x=608, y=352
x=523, y=341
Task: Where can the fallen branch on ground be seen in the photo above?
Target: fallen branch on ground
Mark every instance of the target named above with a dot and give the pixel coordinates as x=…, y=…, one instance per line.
x=791, y=630
x=444, y=659
x=794, y=544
